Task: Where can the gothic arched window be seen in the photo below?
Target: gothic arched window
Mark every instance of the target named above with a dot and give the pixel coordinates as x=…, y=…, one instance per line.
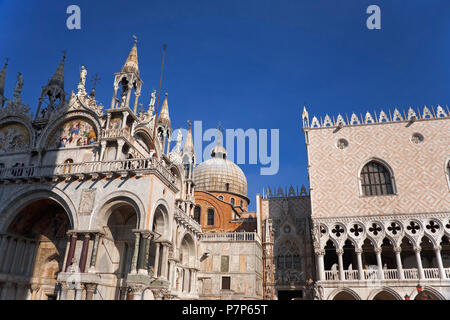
x=288, y=256
x=232, y=201
x=197, y=213
x=376, y=180
x=210, y=217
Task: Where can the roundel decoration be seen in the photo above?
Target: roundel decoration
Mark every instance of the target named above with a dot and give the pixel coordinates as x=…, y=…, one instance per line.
x=14, y=137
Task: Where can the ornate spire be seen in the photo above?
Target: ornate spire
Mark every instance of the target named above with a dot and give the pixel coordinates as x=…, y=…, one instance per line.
x=131, y=65
x=2, y=83
x=52, y=95
x=164, y=114
x=188, y=143
x=58, y=77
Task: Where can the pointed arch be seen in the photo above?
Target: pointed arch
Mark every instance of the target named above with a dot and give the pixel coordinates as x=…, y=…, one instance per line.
x=376, y=178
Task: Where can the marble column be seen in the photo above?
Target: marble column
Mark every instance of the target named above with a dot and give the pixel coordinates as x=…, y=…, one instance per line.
x=90, y=289
x=134, y=260
x=398, y=259
x=64, y=289
x=120, y=144
x=437, y=250
x=73, y=244
x=156, y=264
x=379, y=263
x=94, y=253
x=3, y=248
x=320, y=253
x=359, y=252
x=78, y=293
x=84, y=252
x=171, y=275
x=113, y=101
x=165, y=251
x=143, y=256
x=339, y=253
x=419, y=262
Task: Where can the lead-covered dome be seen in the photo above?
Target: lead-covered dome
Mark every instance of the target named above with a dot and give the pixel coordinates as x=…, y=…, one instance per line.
x=219, y=174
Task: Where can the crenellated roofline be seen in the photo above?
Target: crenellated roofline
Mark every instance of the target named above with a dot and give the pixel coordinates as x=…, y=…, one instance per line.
x=410, y=115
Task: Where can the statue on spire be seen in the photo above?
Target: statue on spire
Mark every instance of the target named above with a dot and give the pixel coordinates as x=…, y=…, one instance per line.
x=83, y=74
x=151, y=106
x=179, y=139
x=18, y=88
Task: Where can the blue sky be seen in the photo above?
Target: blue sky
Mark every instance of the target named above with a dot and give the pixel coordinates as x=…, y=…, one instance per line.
x=247, y=63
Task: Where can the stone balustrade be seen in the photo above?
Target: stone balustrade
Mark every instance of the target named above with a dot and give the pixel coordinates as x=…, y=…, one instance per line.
x=92, y=169
x=389, y=274
x=231, y=236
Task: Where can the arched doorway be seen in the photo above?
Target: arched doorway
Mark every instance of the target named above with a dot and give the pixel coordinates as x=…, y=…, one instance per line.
x=32, y=251
x=115, y=257
x=344, y=295
x=158, y=256
x=187, y=261
x=331, y=261
x=384, y=295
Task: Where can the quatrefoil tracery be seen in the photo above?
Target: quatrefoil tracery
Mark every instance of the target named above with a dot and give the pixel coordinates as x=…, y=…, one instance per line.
x=356, y=230
x=433, y=226
x=375, y=229
x=338, y=230
x=394, y=228
x=413, y=227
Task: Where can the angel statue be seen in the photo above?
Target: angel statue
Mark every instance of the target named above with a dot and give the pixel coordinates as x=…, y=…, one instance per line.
x=18, y=87
x=151, y=106
x=83, y=74
x=179, y=138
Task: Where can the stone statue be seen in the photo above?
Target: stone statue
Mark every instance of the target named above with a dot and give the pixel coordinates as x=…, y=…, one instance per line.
x=151, y=106
x=318, y=292
x=179, y=138
x=18, y=87
x=83, y=74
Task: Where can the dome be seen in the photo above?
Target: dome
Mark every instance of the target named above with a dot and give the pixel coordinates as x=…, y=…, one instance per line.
x=220, y=175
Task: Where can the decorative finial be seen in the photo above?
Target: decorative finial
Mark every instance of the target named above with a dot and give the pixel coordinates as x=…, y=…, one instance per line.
x=95, y=80
x=135, y=39
x=219, y=130
x=6, y=61
x=64, y=54
x=189, y=122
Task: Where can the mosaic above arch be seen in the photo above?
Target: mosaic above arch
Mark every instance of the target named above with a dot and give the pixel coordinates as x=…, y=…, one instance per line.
x=74, y=133
x=14, y=137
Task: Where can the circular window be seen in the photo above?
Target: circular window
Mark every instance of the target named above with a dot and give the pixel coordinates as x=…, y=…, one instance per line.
x=342, y=144
x=416, y=138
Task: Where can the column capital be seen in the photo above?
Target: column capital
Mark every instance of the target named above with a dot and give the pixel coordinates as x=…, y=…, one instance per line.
x=437, y=248
x=358, y=250
x=378, y=250
x=339, y=251
x=319, y=252
x=90, y=286
x=417, y=249
x=397, y=249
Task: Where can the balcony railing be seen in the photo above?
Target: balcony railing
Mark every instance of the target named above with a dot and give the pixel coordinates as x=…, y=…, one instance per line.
x=388, y=274
x=123, y=133
x=231, y=236
x=88, y=169
x=181, y=216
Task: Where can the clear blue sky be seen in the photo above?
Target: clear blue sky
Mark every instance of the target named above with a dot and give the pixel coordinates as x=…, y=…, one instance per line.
x=246, y=63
